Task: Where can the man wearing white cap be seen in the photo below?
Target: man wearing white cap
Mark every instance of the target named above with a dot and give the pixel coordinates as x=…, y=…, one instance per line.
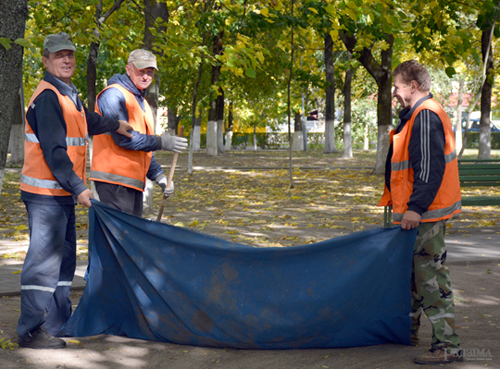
x=121, y=165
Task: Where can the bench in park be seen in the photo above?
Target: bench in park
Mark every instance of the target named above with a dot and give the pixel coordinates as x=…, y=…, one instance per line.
x=479, y=173
x=472, y=173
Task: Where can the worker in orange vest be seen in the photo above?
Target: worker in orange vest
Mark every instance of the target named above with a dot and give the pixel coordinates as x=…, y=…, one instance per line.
x=121, y=165
x=52, y=182
x=422, y=185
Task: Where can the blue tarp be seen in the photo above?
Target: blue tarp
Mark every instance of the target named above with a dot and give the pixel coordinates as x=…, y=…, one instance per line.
x=159, y=282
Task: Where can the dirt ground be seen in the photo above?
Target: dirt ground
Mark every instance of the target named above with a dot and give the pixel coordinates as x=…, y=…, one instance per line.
x=477, y=289
x=246, y=197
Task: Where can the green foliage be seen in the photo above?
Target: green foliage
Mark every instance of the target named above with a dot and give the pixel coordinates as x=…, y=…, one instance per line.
x=450, y=71
x=255, y=39
x=7, y=344
x=5, y=42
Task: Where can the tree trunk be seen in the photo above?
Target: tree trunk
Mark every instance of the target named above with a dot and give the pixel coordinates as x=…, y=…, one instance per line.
x=381, y=72
x=289, y=101
x=91, y=92
x=173, y=121
x=484, y=126
x=366, y=137
x=330, y=97
x=212, y=149
x=153, y=96
x=384, y=107
x=91, y=89
x=92, y=73
x=12, y=26
x=193, y=118
x=100, y=18
x=220, y=122
x=211, y=139
x=298, y=139
x=152, y=11
x=16, y=144
x=303, y=123
x=212, y=135
x=458, y=122
x=197, y=133
x=255, y=137
x=347, y=154
x=229, y=128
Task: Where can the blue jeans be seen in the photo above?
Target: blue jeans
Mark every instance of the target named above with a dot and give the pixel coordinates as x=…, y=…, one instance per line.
x=48, y=269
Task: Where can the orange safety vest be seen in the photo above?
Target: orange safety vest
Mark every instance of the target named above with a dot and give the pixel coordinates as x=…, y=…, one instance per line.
x=448, y=200
x=114, y=164
x=36, y=176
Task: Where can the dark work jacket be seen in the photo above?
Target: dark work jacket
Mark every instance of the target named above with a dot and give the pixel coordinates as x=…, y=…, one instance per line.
x=427, y=144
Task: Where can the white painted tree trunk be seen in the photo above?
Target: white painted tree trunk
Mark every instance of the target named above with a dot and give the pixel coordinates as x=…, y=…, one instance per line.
x=229, y=139
x=297, y=141
x=16, y=144
x=484, y=151
x=366, y=138
x=304, y=131
x=382, y=147
x=458, y=138
x=329, y=137
x=347, y=154
x=212, y=149
x=196, y=138
x=16, y=140
x=220, y=135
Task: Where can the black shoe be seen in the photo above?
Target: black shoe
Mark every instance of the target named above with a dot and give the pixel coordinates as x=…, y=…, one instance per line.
x=436, y=356
x=41, y=339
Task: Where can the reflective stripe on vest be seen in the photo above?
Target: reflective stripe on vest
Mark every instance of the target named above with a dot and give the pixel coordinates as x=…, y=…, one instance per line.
x=42, y=183
x=433, y=214
x=36, y=175
x=70, y=141
x=407, y=165
x=115, y=178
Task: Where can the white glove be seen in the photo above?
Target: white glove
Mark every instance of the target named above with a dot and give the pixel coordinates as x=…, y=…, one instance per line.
x=173, y=143
x=167, y=192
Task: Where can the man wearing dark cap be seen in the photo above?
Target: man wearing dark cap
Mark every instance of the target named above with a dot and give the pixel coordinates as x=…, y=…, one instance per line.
x=52, y=182
x=120, y=165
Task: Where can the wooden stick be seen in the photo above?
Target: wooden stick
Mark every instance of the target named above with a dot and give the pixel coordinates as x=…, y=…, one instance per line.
x=169, y=180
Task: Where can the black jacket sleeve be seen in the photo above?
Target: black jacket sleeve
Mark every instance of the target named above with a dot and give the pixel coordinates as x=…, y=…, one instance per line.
x=97, y=124
x=427, y=159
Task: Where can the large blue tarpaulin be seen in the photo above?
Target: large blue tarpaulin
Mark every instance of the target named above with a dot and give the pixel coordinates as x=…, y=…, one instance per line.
x=159, y=282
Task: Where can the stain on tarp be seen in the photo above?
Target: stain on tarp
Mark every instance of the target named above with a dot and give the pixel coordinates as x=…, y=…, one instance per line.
x=202, y=321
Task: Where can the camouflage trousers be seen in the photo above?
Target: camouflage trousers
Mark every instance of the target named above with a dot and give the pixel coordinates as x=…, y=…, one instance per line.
x=431, y=286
